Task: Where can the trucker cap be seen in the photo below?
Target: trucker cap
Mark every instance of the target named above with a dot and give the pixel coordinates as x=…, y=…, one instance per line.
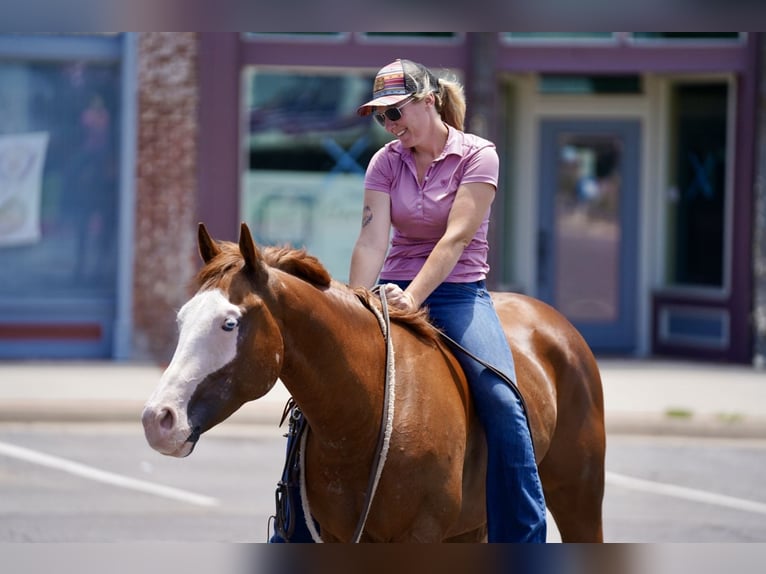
x=394, y=83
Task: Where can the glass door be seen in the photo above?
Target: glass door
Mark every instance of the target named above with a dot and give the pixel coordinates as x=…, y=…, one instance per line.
x=587, y=238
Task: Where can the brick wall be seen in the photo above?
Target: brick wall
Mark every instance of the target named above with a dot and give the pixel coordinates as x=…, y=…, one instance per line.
x=165, y=248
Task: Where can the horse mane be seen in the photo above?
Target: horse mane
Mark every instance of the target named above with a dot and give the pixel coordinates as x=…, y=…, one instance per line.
x=299, y=263
x=293, y=261
x=229, y=258
x=416, y=320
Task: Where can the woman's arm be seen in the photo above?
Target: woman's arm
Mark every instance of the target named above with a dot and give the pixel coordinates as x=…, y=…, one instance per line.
x=372, y=244
x=472, y=202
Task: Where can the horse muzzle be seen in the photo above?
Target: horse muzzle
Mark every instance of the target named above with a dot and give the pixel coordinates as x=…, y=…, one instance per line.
x=166, y=432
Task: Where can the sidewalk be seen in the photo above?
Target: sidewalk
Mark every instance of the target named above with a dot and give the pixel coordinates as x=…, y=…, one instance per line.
x=640, y=396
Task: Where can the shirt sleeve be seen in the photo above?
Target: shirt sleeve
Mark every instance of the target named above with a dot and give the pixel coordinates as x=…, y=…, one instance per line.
x=379, y=174
x=482, y=166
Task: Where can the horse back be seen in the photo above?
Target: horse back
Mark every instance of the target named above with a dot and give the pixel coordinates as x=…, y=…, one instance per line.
x=556, y=371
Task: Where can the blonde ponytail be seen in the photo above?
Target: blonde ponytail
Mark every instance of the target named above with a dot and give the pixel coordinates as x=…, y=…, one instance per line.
x=450, y=102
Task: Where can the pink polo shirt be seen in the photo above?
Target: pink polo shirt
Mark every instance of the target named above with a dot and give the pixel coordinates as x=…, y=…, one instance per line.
x=419, y=212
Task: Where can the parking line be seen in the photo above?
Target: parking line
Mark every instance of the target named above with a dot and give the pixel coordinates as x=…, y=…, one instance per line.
x=98, y=475
x=685, y=493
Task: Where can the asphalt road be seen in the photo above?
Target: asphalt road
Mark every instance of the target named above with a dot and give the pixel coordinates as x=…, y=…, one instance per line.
x=101, y=482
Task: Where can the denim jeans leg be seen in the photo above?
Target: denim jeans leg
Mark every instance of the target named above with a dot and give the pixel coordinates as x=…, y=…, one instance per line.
x=515, y=501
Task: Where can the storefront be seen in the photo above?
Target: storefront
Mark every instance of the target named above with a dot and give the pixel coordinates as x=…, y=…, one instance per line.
x=626, y=195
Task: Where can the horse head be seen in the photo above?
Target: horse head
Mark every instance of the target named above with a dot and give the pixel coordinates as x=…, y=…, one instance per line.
x=230, y=349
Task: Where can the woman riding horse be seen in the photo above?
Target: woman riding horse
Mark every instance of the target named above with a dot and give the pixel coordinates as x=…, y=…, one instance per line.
x=435, y=183
x=262, y=315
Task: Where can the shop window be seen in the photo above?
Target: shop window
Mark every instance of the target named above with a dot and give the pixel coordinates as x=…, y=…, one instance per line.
x=696, y=203
x=629, y=84
x=413, y=35
x=687, y=36
x=295, y=36
x=58, y=179
x=558, y=37
x=579, y=37
x=307, y=151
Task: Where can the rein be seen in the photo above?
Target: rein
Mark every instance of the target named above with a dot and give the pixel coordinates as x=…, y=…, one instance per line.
x=387, y=420
x=384, y=435
x=506, y=379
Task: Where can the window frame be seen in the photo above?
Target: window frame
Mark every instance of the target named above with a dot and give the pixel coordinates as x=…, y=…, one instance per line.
x=661, y=271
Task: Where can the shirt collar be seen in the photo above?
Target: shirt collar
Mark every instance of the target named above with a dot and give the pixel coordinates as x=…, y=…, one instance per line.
x=453, y=145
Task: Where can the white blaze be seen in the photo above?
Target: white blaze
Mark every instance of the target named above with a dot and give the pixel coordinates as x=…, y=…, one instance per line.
x=203, y=348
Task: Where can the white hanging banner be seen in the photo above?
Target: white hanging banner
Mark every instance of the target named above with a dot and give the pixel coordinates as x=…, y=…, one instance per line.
x=22, y=157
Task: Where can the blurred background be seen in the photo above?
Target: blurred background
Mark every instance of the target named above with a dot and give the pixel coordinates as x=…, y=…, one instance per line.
x=631, y=198
x=628, y=195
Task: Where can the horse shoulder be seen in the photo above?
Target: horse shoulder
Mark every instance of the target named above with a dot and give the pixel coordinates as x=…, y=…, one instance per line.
x=432, y=436
x=429, y=381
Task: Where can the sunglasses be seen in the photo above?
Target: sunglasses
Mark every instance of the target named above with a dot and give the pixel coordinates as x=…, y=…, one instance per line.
x=393, y=114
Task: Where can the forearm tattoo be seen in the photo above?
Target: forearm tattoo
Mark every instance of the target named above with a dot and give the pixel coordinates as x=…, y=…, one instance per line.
x=366, y=216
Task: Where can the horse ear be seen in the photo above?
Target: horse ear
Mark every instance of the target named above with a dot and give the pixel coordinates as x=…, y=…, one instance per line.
x=250, y=253
x=207, y=247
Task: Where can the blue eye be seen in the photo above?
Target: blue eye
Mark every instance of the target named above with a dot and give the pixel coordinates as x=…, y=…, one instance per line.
x=230, y=324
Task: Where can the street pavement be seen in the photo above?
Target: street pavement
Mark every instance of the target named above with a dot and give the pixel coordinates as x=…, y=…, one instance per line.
x=640, y=396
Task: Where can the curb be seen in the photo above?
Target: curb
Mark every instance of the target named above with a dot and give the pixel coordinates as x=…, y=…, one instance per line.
x=702, y=426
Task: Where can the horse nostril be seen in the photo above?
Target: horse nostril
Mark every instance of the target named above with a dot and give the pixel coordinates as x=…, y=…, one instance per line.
x=166, y=419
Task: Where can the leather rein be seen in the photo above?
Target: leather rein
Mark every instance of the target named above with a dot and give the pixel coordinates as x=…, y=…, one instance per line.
x=386, y=421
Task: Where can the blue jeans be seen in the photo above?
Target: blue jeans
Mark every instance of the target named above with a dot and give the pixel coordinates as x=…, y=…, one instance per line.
x=515, y=502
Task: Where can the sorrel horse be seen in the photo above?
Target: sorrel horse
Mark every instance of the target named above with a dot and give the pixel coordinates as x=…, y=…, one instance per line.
x=275, y=313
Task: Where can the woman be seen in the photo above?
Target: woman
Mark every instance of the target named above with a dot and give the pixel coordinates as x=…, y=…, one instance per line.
x=435, y=184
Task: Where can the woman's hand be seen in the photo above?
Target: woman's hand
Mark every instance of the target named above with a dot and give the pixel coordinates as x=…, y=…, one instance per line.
x=398, y=298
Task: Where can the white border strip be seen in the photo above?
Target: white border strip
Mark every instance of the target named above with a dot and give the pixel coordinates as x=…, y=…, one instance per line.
x=97, y=475
x=685, y=493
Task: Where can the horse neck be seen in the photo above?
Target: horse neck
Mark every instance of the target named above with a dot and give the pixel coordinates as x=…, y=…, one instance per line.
x=334, y=359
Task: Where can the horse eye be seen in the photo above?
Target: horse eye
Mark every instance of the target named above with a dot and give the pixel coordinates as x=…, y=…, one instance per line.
x=230, y=324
